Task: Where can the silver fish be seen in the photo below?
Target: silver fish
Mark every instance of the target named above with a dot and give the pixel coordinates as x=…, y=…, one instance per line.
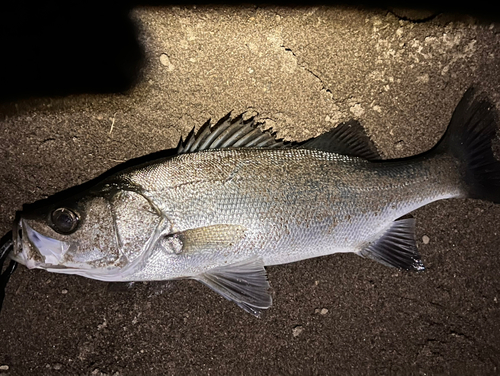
x=234, y=199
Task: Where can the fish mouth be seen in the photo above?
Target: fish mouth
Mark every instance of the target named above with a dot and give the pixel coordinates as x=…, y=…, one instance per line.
x=36, y=250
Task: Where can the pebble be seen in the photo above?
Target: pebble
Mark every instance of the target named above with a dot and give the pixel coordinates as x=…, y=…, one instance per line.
x=4, y=367
x=297, y=330
x=322, y=311
x=64, y=291
x=426, y=239
x=165, y=61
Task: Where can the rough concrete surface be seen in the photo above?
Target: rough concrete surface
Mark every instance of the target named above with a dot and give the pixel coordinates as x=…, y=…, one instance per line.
x=301, y=71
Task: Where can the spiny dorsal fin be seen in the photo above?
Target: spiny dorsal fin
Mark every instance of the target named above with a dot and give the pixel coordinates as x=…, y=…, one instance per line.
x=347, y=138
x=229, y=132
x=396, y=246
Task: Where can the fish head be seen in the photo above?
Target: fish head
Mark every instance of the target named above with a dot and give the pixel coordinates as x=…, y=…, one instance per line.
x=99, y=235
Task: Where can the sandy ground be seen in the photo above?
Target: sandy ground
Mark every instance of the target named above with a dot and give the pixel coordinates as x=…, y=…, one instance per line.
x=301, y=71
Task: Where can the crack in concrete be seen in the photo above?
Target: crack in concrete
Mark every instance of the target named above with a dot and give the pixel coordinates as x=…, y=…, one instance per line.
x=310, y=71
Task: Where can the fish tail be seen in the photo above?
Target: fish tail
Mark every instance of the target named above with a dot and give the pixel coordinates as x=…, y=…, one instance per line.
x=469, y=139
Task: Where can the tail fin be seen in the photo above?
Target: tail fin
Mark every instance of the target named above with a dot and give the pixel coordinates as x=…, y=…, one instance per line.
x=468, y=138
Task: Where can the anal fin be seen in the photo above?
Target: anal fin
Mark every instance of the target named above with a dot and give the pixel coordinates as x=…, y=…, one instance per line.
x=396, y=247
x=245, y=283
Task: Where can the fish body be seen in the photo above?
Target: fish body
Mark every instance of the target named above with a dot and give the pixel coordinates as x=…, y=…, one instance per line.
x=292, y=204
x=234, y=200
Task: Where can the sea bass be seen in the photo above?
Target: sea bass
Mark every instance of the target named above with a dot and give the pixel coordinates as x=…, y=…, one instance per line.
x=234, y=199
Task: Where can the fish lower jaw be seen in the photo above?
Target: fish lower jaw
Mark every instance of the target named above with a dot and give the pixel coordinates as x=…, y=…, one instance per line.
x=31, y=264
x=23, y=259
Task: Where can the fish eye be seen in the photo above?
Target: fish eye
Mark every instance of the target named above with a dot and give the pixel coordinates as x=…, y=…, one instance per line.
x=64, y=220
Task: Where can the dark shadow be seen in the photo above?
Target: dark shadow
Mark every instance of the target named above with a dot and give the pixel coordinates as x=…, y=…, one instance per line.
x=53, y=48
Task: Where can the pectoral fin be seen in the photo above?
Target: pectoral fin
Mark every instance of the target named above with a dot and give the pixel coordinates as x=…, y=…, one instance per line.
x=245, y=283
x=203, y=239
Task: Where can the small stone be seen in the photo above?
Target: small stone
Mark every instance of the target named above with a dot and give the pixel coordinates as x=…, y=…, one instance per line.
x=64, y=291
x=57, y=366
x=103, y=325
x=423, y=78
x=165, y=61
x=4, y=367
x=399, y=145
x=297, y=330
x=322, y=311
x=357, y=110
x=426, y=239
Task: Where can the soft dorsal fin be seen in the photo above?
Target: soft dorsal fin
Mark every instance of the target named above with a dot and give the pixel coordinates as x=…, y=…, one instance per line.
x=347, y=138
x=229, y=132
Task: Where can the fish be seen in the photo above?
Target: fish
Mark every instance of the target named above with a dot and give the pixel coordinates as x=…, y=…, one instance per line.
x=233, y=199
x=6, y=246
